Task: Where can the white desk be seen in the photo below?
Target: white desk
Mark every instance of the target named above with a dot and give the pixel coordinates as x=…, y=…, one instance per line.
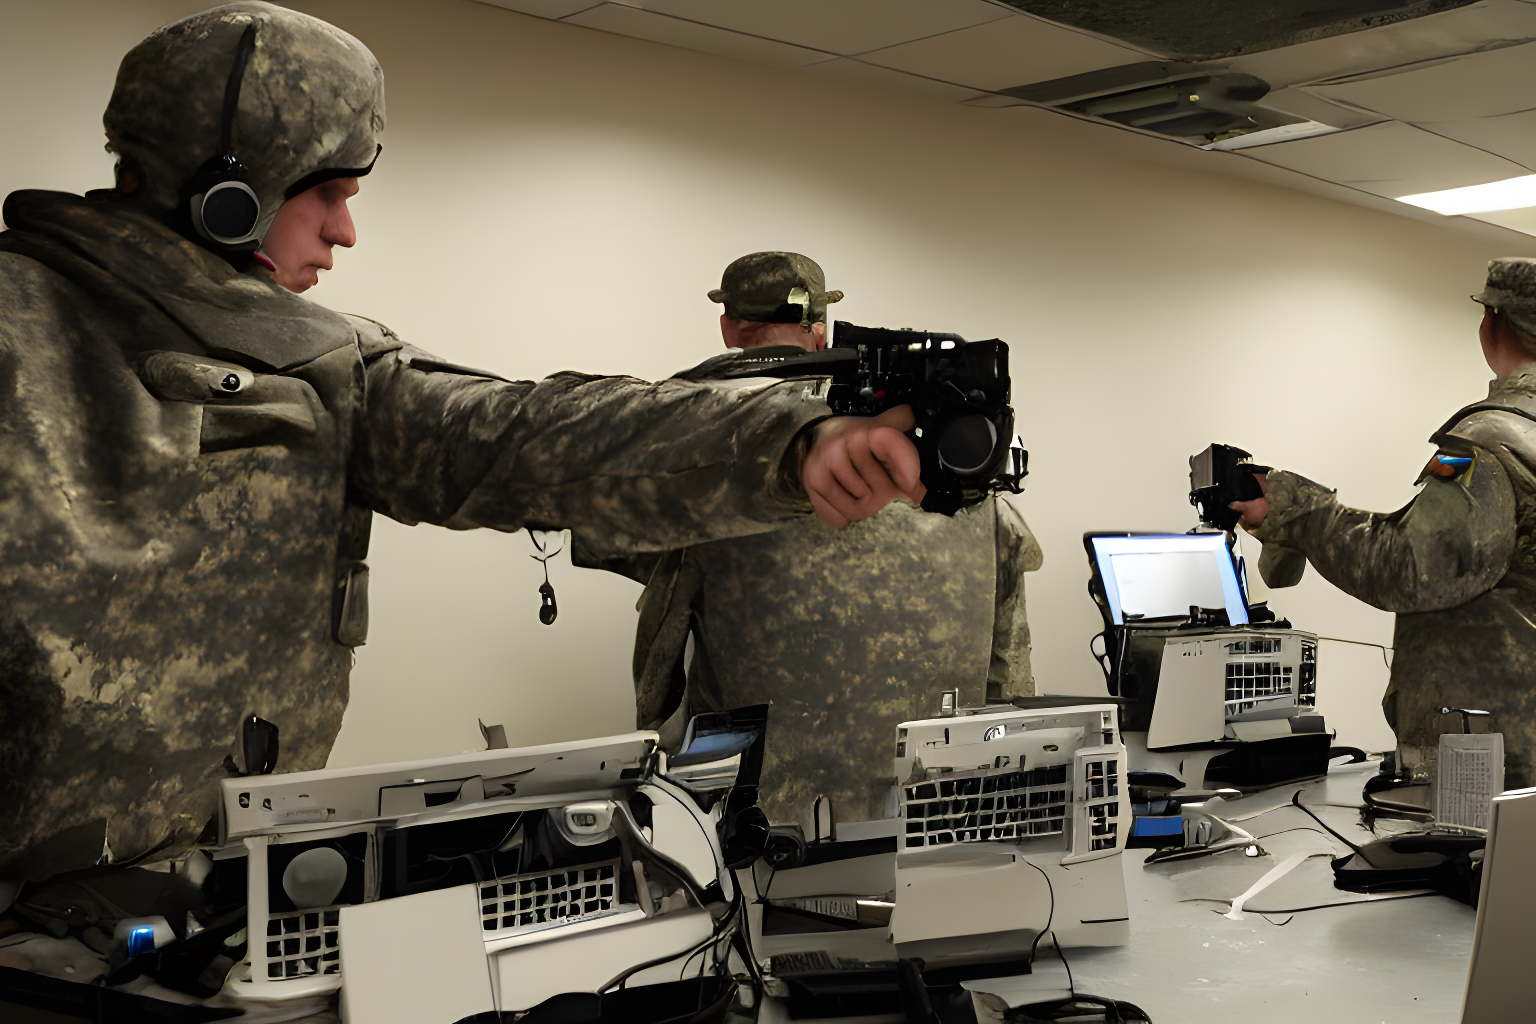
x=1399, y=961
x=1392, y=961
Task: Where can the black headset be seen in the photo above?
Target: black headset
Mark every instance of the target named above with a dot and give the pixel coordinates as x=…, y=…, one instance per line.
x=224, y=209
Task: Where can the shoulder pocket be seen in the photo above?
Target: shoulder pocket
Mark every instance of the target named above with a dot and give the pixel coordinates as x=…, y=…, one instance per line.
x=241, y=408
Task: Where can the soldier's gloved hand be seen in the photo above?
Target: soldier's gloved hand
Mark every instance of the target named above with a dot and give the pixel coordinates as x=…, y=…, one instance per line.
x=859, y=464
x=1253, y=512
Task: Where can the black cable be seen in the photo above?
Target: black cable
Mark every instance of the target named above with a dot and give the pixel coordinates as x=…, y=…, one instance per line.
x=1049, y=920
x=1283, y=831
x=1296, y=802
x=1362, y=643
x=715, y=933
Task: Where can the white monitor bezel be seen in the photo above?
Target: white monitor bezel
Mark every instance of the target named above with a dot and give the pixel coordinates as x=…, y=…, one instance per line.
x=1102, y=547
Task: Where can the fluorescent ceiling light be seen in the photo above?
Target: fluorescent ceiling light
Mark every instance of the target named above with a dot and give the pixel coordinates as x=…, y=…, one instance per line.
x=1509, y=194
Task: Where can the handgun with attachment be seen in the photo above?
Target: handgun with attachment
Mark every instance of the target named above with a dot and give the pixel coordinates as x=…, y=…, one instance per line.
x=959, y=392
x=1219, y=476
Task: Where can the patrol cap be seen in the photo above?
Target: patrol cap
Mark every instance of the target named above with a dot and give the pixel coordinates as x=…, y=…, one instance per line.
x=775, y=288
x=1511, y=289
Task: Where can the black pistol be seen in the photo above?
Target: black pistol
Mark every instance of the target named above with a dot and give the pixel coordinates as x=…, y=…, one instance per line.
x=959, y=392
x=1219, y=476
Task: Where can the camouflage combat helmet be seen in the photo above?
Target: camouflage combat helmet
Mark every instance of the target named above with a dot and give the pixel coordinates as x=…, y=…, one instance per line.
x=295, y=100
x=775, y=288
x=1511, y=290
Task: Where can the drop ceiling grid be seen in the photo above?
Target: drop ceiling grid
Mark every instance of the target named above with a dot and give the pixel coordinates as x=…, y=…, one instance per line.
x=976, y=44
x=966, y=46
x=842, y=27
x=626, y=20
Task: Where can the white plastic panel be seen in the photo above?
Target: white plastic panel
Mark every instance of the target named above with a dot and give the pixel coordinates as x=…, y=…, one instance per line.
x=1469, y=773
x=528, y=975
x=414, y=960
x=266, y=803
x=856, y=876
x=1091, y=908
x=1191, y=688
x=1004, y=54
x=678, y=834
x=659, y=28
x=1390, y=159
x=974, y=895
x=838, y=26
x=1498, y=982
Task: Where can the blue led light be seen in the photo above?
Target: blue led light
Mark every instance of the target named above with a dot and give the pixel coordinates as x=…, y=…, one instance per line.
x=1158, y=826
x=141, y=940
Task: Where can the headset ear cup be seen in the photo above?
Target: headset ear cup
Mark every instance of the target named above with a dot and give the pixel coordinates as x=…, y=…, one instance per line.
x=227, y=213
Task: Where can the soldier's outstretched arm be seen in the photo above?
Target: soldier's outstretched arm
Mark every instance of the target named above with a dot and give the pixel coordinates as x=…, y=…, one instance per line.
x=646, y=466
x=1451, y=543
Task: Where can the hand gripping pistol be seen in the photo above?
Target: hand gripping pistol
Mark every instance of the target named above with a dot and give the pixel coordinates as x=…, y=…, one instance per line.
x=959, y=392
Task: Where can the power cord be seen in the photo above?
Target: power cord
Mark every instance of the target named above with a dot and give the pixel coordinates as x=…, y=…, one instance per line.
x=1362, y=643
x=1049, y=920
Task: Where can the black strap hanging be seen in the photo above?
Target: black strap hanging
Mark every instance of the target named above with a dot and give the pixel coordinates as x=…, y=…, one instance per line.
x=548, y=609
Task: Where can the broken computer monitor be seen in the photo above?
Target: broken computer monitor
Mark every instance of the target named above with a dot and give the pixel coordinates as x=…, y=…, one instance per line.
x=1217, y=693
x=1154, y=576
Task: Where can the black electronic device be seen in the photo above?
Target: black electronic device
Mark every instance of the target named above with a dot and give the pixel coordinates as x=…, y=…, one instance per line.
x=1219, y=476
x=959, y=392
x=222, y=206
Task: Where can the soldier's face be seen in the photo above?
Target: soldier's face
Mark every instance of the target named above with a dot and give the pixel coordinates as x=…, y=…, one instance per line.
x=305, y=230
x=752, y=334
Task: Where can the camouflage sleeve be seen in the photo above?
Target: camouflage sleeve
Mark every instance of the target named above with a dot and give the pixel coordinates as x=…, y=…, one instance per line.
x=638, y=567
x=1451, y=543
x=1010, y=673
x=647, y=467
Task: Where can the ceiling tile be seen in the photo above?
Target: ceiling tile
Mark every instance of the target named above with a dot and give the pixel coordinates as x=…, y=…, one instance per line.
x=1302, y=104
x=1517, y=220
x=1476, y=85
x=1467, y=29
x=659, y=28
x=837, y=26
x=544, y=8
x=1389, y=159
x=1512, y=136
x=1002, y=54
x=885, y=78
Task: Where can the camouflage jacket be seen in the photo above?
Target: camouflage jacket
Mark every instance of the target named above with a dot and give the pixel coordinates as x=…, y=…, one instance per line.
x=189, y=459
x=1457, y=565
x=845, y=633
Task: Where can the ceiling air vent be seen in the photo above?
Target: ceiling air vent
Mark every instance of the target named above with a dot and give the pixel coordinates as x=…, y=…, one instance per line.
x=1178, y=100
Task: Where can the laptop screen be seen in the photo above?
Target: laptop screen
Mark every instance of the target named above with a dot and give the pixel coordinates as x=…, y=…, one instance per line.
x=1161, y=575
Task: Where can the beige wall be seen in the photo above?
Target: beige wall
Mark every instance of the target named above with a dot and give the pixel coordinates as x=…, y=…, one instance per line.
x=552, y=197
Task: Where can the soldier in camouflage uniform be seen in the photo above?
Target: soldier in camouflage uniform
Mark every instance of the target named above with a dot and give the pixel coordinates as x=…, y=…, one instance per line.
x=1457, y=564
x=190, y=455
x=845, y=634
